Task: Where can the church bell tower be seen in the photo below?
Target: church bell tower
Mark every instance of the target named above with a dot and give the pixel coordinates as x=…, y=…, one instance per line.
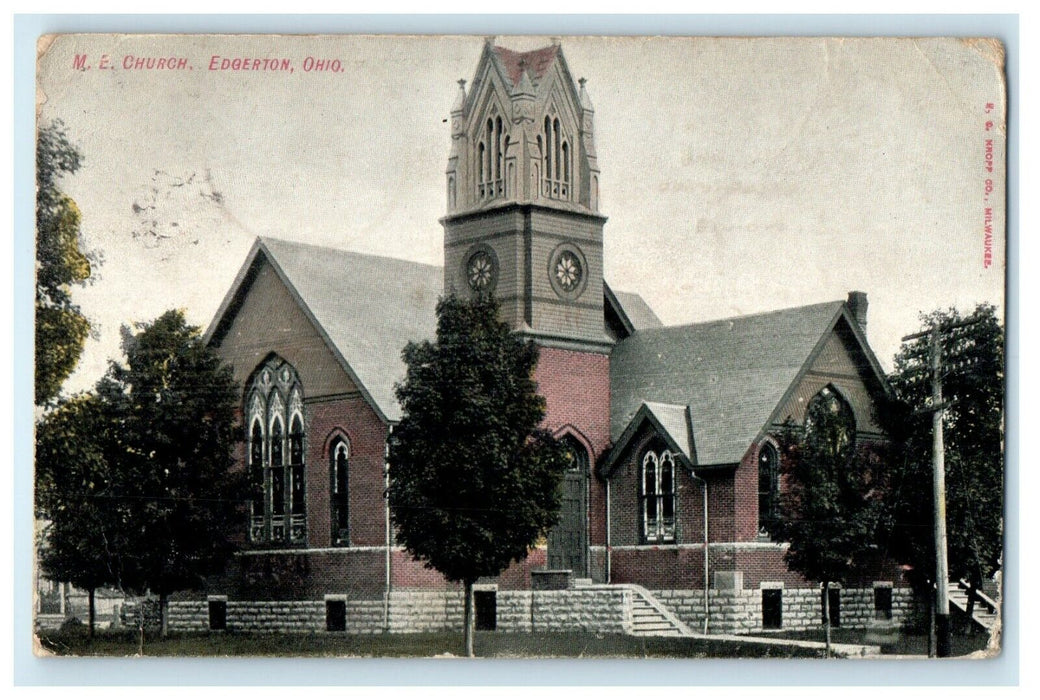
x=523, y=219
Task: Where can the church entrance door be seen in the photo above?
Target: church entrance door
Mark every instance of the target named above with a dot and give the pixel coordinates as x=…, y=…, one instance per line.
x=568, y=541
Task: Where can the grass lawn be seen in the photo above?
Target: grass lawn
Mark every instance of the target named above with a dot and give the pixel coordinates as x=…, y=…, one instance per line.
x=892, y=643
x=486, y=644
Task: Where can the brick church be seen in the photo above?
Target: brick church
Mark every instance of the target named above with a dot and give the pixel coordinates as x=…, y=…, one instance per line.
x=672, y=427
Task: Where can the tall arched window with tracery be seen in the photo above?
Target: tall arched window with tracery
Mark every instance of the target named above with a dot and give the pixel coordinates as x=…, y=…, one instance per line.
x=768, y=487
x=276, y=455
x=557, y=160
x=257, y=440
x=491, y=155
x=831, y=416
x=339, y=468
x=657, y=496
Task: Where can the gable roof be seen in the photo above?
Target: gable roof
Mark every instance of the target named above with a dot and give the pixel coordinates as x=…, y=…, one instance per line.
x=637, y=310
x=732, y=374
x=366, y=307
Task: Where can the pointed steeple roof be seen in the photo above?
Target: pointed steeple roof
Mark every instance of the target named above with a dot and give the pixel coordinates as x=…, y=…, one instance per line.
x=524, y=86
x=517, y=64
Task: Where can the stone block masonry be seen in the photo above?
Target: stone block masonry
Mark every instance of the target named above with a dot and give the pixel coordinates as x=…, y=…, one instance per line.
x=597, y=609
x=740, y=611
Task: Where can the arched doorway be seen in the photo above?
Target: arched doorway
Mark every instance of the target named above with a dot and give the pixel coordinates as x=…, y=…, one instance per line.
x=568, y=541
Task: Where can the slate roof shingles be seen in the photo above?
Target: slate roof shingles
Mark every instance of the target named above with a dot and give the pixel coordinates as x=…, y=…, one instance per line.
x=370, y=307
x=536, y=62
x=732, y=373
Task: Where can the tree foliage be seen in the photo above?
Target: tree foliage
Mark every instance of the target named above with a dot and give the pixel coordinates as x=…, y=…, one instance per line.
x=973, y=437
x=179, y=405
x=61, y=330
x=151, y=454
x=75, y=500
x=474, y=483
x=830, y=509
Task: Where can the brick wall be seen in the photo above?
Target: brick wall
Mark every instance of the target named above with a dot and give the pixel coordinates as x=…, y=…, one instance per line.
x=353, y=418
x=626, y=508
x=576, y=387
x=355, y=571
x=682, y=567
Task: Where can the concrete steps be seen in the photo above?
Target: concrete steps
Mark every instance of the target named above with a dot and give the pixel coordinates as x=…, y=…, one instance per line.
x=651, y=619
x=985, y=614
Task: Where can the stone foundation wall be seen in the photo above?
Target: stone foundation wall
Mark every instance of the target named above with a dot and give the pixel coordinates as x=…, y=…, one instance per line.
x=740, y=611
x=605, y=610
x=597, y=609
x=424, y=611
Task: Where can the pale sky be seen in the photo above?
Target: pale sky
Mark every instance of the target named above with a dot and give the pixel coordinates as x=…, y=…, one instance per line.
x=738, y=175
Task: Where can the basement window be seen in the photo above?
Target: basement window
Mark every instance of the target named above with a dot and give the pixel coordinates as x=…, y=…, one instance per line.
x=336, y=615
x=834, y=605
x=217, y=614
x=486, y=609
x=772, y=608
x=882, y=602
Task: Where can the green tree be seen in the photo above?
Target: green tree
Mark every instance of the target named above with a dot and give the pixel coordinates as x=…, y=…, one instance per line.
x=180, y=498
x=830, y=508
x=79, y=523
x=973, y=437
x=61, y=330
x=136, y=482
x=474, y=483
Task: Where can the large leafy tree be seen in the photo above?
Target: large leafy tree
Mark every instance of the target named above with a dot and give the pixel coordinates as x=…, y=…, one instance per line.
x=136, y=481
x=181, y=498
x=61, y=330
x=973, y=437
x=831, y=506
x=76, y=496
x=474, y=483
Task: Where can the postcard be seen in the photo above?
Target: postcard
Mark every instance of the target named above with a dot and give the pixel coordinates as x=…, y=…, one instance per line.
x=519, y=346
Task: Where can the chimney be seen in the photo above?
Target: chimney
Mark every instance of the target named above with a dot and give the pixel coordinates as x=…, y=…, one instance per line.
x=857, y=304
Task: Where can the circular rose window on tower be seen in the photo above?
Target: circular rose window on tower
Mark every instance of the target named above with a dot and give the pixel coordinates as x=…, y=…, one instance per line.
x=481, y=271
x=567, y=271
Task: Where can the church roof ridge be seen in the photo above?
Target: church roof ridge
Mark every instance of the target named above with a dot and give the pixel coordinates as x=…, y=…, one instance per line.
x=732, y=373
x=758, y=315
x=345, y=251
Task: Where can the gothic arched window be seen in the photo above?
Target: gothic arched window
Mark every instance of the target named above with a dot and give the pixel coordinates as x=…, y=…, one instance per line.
x=548, y=150
x=556, y=149
x=657, y=495
x=578, y=456
x=489, y=139
x=498, y=148
x=557, y=157
x=339, y=467
x=830, y=416
x=768, y=487
x=256, y=472
x=276, y=455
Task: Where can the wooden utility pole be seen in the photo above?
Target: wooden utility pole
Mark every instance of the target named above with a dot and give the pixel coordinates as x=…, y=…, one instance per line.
x=942, y=573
